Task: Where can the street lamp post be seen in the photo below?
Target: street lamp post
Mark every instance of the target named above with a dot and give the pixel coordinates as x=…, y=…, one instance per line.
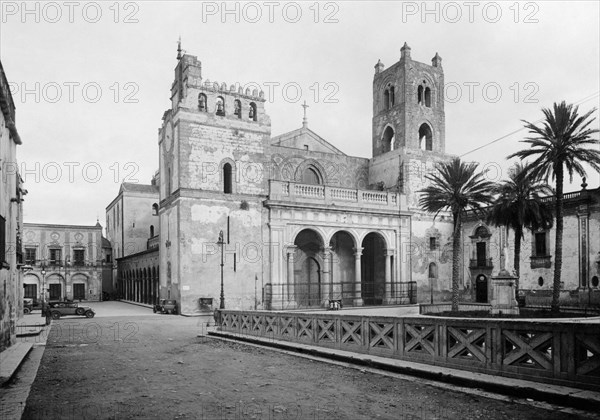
x=43, y=273
x=221, y=243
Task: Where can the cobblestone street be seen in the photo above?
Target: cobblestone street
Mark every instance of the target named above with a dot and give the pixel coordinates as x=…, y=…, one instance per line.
x=156, y=366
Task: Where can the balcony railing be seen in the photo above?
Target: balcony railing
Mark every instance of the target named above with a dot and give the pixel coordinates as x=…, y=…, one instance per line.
x=541, y=261
x=283, y=190
x=481, y=263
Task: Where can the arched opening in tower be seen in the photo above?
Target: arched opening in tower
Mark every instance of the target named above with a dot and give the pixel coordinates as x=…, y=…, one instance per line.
x=388, y=139
x=428, y=97
x=227, y=178
x=425, y=137
x=420, y=94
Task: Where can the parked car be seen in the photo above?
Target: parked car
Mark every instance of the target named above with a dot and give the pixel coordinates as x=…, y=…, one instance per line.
x=58, y=309
x=27, y=305
x=166, y=306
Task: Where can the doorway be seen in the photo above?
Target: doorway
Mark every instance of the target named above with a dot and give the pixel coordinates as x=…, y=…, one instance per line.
x=481, y=289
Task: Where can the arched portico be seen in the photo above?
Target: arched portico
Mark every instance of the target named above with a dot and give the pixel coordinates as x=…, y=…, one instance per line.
x=307, y=259
x=375, y=269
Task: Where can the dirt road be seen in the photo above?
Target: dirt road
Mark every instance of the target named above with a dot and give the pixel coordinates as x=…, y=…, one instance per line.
x=156, y=367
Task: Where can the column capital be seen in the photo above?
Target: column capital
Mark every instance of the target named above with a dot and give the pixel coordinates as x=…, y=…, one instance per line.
x=389, y=252
x=326, y=249
x=358, y=251
x=291, y=249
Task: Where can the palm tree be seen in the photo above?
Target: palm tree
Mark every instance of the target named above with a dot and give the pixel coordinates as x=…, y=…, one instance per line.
x=519, y=205
x=456, y=187
x=562, y=142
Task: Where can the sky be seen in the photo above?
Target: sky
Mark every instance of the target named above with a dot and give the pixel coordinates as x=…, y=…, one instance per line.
x=91, y=80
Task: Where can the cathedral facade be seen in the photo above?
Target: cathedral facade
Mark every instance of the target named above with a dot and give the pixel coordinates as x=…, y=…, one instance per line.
x=290, y=221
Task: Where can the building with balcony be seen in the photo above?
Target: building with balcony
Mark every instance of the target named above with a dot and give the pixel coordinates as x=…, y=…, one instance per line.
x=65, y=262
x=581, y=253
x=287, y=221
x=11, y=211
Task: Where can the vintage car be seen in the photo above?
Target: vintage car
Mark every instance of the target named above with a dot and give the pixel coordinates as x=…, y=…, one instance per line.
x=27, y=305
x=166, y=306
x=58, y=309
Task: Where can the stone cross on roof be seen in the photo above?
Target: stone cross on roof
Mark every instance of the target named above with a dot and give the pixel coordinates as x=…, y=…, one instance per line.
x=304, y=120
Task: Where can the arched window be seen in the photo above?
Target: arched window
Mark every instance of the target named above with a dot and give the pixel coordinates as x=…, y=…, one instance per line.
x=425, y=137
x=227, y=178
x=252, y=112
x=238, y=108
x=386, y=99
x=392, y=96
x=202, y=102
x=420, y=95
x=311, y=176
x=152, y=231
x=482, y=232
x=155, y=209
x=388, y=139
x=428, y=97
x=220, y=106
x=541, y=281
x=433, y=271
x=595, y=281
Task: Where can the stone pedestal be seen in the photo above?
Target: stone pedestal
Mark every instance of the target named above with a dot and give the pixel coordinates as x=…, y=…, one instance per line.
x=503, y=294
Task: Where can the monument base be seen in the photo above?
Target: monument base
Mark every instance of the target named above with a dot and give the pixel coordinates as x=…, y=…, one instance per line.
x=503, y=294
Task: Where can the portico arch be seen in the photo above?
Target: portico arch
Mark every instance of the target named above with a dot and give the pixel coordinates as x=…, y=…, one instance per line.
x=373, y=269
x=342, y=267
x=307, y=262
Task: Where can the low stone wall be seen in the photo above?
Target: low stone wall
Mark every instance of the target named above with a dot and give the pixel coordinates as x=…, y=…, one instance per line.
x=552, y=352
x=438, y=308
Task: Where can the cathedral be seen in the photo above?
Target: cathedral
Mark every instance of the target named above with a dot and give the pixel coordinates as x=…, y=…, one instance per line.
x=241, y=219
x=291, y=221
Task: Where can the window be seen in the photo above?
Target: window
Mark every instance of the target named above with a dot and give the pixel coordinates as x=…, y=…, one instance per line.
x=428, y=97
x=541, y=281
x=227, y=179
x=595, y=281
x=306, y=147
x=432, y=270
x=425, y=137
x=420, y=95
x=388, y=139
x=30, y=256
x=55, y=256
x=221, y=106
x=155, y=209
x=392, y=96
x=432, y=244
x=252, y=112
x=79, y=257
x=311, y=176
x=238, y=108
x=540, y=244
x=202, y=102
x=386, y=99
x=2, y=241
x=152, y=231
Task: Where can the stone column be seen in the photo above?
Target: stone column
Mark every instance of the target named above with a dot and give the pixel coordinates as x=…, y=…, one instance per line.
x=291, y=297
x=388, y=276
x=326, y=286
x=358, y=301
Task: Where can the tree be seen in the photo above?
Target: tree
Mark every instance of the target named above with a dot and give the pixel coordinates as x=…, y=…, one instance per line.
x=562, y=142
x=456, y=187
x=519, y=205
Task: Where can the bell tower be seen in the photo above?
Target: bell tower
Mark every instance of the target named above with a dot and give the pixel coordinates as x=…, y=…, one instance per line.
x=408, y=105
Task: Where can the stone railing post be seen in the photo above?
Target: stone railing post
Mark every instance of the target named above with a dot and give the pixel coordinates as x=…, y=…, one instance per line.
x=291, y=296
